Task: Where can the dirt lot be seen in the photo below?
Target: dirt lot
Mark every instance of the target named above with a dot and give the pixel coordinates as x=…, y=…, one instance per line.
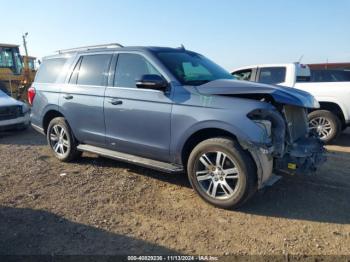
x=100, y=206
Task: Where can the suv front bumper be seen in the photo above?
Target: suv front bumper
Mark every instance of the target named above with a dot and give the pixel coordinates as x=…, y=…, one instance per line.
x=8, y=124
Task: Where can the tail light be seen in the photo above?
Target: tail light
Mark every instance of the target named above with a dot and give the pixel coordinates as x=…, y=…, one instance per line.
x=31, y=95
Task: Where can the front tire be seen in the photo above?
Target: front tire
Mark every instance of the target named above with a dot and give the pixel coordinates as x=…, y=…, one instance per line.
x=61, y=140
x=326, y=124
x=222, y=173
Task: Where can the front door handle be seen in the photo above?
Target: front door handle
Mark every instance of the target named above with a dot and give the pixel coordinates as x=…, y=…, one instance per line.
x=115, y=102
x=68, y=97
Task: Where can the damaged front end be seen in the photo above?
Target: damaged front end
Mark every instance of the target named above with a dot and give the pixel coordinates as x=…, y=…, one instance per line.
x=295, y=150
x=287, y=146
x=304, y=151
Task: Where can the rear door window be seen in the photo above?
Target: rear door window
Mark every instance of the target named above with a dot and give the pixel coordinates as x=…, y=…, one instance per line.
x=92, y=70
x=49, y=70
x=272, y=75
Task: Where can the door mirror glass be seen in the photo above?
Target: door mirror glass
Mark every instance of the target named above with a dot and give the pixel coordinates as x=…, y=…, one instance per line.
x=155, y=82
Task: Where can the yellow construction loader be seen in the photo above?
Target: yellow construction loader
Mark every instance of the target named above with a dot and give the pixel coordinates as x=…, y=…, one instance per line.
x=16, y=72
x=30, y=67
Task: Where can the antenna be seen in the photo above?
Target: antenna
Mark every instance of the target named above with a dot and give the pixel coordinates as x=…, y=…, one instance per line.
x=301, y=57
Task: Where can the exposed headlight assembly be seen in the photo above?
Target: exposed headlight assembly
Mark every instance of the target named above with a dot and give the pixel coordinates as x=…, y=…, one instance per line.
x=273, y=126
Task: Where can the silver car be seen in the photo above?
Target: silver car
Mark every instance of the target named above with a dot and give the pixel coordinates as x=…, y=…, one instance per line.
x=14, y=114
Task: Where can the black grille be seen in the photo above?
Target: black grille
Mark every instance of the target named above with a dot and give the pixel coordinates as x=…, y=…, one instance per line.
x=10, y=112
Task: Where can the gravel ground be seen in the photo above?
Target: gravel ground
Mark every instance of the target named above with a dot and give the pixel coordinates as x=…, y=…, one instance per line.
x=100, y=206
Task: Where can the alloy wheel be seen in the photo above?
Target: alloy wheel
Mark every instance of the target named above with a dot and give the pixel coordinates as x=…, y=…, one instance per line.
x=322, y=126
x=59, y=140
x=217, y=175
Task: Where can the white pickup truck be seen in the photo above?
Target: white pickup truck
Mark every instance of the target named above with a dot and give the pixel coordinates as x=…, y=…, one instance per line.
x=331, y=89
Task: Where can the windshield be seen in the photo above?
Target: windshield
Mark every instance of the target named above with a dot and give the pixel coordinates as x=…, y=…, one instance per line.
x=31, y=64
x=10, y=58
x=6, y=58
x=192, y=68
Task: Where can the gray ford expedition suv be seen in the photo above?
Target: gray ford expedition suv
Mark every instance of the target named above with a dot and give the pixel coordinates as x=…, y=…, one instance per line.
x=173, y=110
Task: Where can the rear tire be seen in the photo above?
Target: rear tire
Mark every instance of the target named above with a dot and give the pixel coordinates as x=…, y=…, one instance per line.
x=61, y=140
x=326, y=124
x=222, y=173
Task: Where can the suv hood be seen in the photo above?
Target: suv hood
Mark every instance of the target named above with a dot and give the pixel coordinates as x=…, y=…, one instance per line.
x=280, y=94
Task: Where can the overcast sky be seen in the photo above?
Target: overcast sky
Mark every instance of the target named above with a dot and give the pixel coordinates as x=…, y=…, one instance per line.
x=231, y=32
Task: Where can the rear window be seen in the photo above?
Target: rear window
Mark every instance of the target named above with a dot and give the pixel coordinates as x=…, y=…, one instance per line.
x=330, y=76
x=272, y=75
x=49, y=70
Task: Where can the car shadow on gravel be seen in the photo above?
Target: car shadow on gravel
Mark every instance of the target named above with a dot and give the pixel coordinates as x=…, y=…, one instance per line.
x=26, y=231
x=179, y=179
x=302, y=199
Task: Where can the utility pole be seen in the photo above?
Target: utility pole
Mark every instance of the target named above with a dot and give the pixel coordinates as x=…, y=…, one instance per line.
x=26, y=73
x=25, y=43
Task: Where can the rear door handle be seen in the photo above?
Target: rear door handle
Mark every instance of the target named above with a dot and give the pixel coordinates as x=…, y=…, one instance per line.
x=68, y=97
x=115, y=102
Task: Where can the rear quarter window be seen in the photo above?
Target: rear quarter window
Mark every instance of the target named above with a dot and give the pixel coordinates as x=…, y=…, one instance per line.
x=49, y=70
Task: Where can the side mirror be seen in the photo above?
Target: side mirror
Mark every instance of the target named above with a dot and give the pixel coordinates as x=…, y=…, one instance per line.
x=155, y=82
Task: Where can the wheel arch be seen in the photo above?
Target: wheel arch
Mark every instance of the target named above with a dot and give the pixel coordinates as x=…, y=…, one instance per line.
x=202, y=134
x=333, y=107
x=48, y=116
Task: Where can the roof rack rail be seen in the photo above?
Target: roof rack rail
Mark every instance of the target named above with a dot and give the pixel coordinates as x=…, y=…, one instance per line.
x=86, y=48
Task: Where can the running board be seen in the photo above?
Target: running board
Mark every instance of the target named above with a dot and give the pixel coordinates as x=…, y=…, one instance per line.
x=137, y=160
